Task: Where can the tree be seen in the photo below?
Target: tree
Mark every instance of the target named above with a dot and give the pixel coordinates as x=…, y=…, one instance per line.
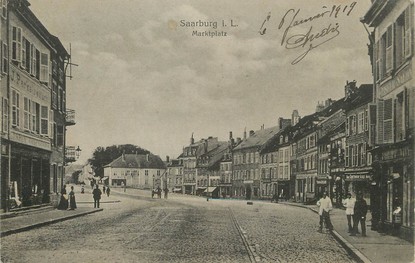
x=103, y=156
x=75, y=176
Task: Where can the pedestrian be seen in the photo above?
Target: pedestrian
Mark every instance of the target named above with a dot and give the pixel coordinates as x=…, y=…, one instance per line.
x=97, y=196
x=72, y=202
x=63, y=204
x=360, y=211
x=166, y=191
x=349, y=203
x=159, y=192
x=108, y=191
x=103, y=189
x=82, y=189
x=325, y=206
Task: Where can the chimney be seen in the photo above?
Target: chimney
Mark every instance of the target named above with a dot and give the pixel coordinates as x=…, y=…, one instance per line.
x=245, y=134
x=283, y=123
x=230, y=135
x=251, y=132
x=238, y=140
x=295, y=117
x=350, y=88
x=167, y=159
x=192, y=140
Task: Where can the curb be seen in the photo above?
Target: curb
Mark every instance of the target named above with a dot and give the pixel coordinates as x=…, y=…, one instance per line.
x=51, y=221
x=353, y=251
x=105, y=202
x=38, y=209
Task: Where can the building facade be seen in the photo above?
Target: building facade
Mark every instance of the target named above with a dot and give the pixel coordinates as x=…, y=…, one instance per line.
x=143, y=171
x=394, y=97
x=30, y=58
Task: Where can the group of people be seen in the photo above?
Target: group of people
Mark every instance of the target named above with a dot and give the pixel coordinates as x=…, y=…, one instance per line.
x=356, y=210
x=158, y=192
x=67, y=202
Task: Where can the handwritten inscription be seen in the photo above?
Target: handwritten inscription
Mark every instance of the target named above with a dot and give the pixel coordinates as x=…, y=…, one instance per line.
x=313, y=36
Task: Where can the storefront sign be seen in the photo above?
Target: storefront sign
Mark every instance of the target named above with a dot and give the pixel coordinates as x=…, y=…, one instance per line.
x=30, y=141
x=358, y=176
x=28, y=87
x=402, y=77
x=321, y=182
x=394, y=154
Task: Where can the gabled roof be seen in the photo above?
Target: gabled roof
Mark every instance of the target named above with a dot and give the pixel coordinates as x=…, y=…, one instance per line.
x=258, y=139
x=138, y=161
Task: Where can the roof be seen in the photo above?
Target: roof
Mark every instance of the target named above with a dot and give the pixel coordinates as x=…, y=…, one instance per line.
x=361, y=96
x=215, y=156
x=150, y=161
x=258, y=139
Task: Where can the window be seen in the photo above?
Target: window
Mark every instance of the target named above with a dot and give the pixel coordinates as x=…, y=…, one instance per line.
x=4, y=8
x=44, y=124
x=389, y=49
x=353, y=124
x=347, y=126
x=388, y=121
x=360, y=122
x=24, y=57
x=16, y=44
x=26, y=114
x=5, y=119
x=60, y=135
x=403, y=37
x=4, y=58
x=52, y=127
x=35, y=113
x=15, y=108
x=346, y=157
x=366, y=120
x=44, y=68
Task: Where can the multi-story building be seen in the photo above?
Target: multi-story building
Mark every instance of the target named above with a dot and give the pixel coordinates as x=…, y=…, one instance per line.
x=193, y=176
x=275, y=166
x=246, y=163
x=226, y=168
x=358, y=170
x=144, y=171
x=308, y=185
x=30, y=55
x=174, y=175
x=392, y=57
x=208, y=165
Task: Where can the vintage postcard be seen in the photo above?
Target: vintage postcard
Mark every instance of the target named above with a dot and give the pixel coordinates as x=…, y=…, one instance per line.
x=218, y=131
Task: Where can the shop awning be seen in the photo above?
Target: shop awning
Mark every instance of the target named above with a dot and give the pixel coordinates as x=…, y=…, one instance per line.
x=210, y=189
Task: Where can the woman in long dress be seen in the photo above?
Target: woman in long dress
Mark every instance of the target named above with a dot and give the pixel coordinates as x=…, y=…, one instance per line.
x=63, y=204
x=72, y=202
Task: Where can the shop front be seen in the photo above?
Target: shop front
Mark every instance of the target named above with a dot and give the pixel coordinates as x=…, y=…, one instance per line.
x=394, y=175
x=26, y=179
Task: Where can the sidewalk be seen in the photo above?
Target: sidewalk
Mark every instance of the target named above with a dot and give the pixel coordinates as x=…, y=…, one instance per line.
x=376, y=247
x=37, y=216
x=40, y=217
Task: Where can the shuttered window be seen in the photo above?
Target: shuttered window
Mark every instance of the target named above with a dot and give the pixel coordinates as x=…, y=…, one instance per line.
x=389, y=49
x=388, y=121
x=379, y=122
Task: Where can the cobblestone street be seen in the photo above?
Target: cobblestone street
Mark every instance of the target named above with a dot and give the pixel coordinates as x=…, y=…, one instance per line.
x=180, y=229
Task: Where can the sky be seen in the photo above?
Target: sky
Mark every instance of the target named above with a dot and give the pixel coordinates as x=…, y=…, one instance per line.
x=145, y=78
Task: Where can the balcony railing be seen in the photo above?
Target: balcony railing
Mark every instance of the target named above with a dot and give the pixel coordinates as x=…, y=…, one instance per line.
x=70, y=117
